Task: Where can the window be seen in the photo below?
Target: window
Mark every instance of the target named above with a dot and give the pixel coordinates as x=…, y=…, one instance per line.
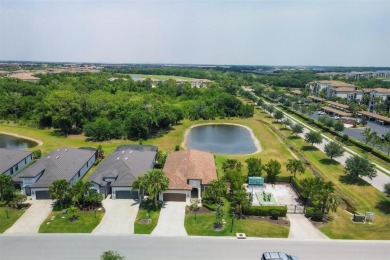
x=11, y=171
x=87, y=164
x=16, y=167
x=78, y=174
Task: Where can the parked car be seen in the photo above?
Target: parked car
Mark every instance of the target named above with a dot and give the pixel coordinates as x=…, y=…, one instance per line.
x=277, y=256
x=336, y=117
x=320, y=113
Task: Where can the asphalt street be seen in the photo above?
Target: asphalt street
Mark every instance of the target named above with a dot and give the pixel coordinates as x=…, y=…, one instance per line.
x=84, y=246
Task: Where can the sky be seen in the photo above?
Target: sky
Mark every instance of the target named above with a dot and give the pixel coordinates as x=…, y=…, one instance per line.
x=241, y=32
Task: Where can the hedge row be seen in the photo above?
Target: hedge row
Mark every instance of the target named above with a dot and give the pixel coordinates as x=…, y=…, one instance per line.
x=265, y=210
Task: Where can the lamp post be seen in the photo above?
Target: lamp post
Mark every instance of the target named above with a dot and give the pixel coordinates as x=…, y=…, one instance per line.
x=6, y=212
x=231, y=228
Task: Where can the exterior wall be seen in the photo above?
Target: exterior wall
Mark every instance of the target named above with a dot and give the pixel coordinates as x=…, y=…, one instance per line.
x=115, y=189
x=195, y=183
x=29, y=181
x=83, y=170
x=187, y=192
x=33, y=190
x=19, y=166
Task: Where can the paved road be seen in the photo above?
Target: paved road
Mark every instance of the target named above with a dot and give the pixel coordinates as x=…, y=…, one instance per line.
x=32, y=219
x=84, y=246
x=301, y=228
x=119, y=217
x=171, y=220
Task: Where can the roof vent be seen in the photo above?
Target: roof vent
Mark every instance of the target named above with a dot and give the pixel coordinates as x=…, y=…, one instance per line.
x=123, y=151
x=117, y=158
x=57, y=157
x=126, y=158
x=66, y=150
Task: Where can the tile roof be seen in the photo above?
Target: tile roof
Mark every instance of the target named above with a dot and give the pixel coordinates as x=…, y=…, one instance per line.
x=336, y=104
x=125, y=164
x=339, y=112
x=63, y=163
x=376, y=116
x=10, y=157
x=190, y=164
x=336, y=83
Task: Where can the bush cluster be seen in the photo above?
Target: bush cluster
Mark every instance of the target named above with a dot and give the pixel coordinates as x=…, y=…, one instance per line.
x=266, y=211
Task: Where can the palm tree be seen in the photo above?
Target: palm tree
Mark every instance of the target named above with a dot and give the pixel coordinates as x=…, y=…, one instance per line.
x=294, y=166
x=80, y=189
x=59, y=189
x=327, y=197
x=154, y=182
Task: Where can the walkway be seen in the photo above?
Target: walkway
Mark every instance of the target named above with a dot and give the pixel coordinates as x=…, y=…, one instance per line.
x=32, y=219
x=301, y=228
x=171, y=221
x=119, y=217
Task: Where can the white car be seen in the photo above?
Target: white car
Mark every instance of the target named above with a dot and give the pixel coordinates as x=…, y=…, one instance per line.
x=320, y=113
x=336, y=117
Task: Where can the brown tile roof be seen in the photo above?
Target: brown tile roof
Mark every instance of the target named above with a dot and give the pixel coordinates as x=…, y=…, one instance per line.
x=382, y=90
x=345, y=89
x=337, y=104
x=336, y=83
x=336, y=111
x=317, y=98
x=296, y=92
x=376, y=116
x=190, y=164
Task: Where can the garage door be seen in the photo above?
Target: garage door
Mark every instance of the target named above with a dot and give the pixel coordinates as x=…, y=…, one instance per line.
x=42, y=195
x=174, y=197
x=126, y=194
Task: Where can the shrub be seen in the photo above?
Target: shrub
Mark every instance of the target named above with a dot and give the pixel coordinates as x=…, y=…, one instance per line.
x=309, y=212
x=274, y=214
x=209, y=204
x=265, y=210
x=317, y=215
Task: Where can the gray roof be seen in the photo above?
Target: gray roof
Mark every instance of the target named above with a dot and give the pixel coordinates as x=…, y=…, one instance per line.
x=63, y=163
x=10, y=157
x=125, y=164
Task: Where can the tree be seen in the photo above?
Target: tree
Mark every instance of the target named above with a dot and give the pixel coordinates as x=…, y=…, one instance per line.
x=364, y=121
x=278, y=115
x=334, y=150
x=58, y=190
x=339, y=126
x=297, y=129
x=294, y=166
x=376, y=140
x=36, y=154
x=216, y=191
x=79, y=191
x=194, y=207
x=231, y=164
x=387, y=189
x=367, y=135
x=272, y=169
x=154, y=182
x=6, y=185
x=357, y=166
x=386, y=142
x=313, y=138
x=219, y=214
x=287, y=122
x=240, y=199
x=235, y=178
x=320, y=193
x=111, y=255
x=255, y=166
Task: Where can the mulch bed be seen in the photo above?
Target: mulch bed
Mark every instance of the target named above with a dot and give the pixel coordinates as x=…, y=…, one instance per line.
x=283, y=221
x=202, y=210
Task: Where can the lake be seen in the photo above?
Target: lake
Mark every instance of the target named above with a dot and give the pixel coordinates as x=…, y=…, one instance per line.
x=12, y=142
x=221, y=139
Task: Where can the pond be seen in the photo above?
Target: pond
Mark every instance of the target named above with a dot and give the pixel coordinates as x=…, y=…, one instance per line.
x=222, y=139
x=12, y=142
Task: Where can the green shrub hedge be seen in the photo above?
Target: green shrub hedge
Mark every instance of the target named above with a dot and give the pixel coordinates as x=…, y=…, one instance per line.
x=209, y=205
x=265, y=210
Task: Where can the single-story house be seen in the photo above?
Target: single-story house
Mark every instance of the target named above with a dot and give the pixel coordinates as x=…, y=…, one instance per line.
x=12, y=161
x=70, y=164
x=116, y=174
x=189, y=172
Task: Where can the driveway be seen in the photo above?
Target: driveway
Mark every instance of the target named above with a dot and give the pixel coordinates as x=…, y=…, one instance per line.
x=171, y=220
x=301, y=228
x=119, y=217
x=32, y=219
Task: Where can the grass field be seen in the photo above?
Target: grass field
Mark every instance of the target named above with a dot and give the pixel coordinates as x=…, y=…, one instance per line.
x=60, y=224
x=203, y=226
x=146, y=228
x=13, y=216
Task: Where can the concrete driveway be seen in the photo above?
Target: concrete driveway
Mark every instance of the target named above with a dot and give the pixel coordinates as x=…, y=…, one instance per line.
x=119, y=217
x=171, y=220
x=32, y=219
x=301, y=228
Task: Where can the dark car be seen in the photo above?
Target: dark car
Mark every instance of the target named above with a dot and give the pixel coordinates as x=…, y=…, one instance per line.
x=277, y=256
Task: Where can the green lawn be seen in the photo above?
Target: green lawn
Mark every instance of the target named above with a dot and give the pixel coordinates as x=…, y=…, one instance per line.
x=146, y=228
x=13, y=216
x=203, y=226
x=86, y=223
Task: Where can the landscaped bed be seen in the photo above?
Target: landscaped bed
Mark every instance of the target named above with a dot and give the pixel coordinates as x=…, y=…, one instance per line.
x=57, y=222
